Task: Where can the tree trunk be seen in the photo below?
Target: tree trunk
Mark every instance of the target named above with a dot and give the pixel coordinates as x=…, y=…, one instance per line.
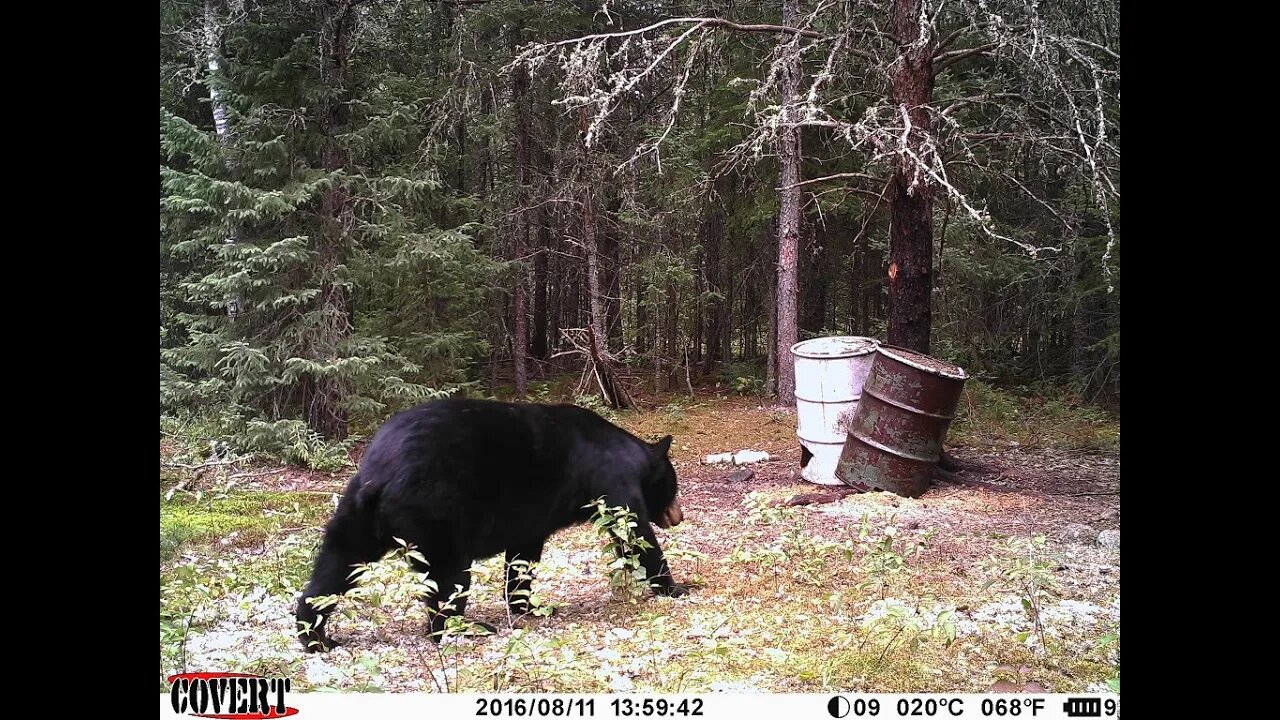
x=813, y=316
x=572, y=316
x=642, y=318
x=520, y=322
x=326, y=412
x=911, y=231
x=789, y=153
x=221, y=119
x=540, y=272
x=556, y=280
x=770, y=311
x=614, y=394
x=712, y=239
x=596, y=297
x=612, y=273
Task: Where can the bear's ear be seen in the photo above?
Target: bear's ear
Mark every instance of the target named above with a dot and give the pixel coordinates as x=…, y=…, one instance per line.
x=663, y=446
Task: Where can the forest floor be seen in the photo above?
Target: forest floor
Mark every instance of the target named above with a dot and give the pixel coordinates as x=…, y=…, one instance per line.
x=1014, y=584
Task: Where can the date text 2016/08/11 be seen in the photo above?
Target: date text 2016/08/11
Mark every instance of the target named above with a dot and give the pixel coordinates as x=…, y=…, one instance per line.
x=586, y=707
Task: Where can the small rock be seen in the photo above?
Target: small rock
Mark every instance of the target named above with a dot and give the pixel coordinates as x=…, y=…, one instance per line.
x=1109, y=539
x=742, y=457
x=738, y=476
x=1079, y=533
x=745, y=457
x=1110, y=514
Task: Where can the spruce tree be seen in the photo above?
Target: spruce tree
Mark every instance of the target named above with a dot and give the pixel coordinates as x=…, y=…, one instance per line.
x=351, y=301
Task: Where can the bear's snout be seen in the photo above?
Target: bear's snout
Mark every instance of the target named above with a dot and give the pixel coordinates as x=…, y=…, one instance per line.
x=672, y=516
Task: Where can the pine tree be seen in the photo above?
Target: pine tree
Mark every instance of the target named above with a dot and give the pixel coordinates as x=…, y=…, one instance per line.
x=353, y=300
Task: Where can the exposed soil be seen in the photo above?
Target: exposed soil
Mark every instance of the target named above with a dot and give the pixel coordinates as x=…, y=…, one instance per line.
x=781, y=620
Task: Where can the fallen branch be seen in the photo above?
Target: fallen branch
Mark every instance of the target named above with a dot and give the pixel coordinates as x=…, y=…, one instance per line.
x=817, y=498
x=202, y=466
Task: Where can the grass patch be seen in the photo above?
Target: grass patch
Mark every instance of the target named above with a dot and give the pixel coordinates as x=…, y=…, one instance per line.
x=989, y=415
x=237, y=518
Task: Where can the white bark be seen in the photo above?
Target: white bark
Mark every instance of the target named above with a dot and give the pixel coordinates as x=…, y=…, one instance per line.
x=221, y=122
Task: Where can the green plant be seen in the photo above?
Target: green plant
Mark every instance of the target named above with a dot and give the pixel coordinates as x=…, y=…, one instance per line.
x=886, y=554
x=617, y=527
x=1025, y=567
x=791, y=550
x=747, y=385
x=691, y=560
x=294, y=442
x=1107, y=641
x=596, y=404
x=538, y=606
x=893, y=621
x=673, y=412
x=182, y=601
x=539, y=392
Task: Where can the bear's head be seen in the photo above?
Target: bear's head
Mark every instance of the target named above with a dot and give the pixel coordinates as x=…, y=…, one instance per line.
x=660, y=492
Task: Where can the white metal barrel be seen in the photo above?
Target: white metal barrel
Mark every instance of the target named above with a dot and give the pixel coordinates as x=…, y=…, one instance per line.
x=830, y=372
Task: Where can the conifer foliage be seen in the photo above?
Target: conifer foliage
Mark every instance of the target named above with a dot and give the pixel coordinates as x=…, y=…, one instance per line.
x=313, y=272
x=366, y=203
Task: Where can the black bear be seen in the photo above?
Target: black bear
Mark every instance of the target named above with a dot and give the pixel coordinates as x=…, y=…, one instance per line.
x=468, y=479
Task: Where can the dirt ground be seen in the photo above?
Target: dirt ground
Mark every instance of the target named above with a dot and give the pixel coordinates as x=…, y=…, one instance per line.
x=873, y=592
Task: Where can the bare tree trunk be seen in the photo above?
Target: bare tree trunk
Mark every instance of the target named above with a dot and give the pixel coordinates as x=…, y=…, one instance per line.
x=911, y=232
x=771, y=314
x=642, y=317
x=540, y=272
x=221, y=118
x=671, y=314
x=789, y=154
x=589, y=244
x=520, y=323
x=771, y=358
x=614, y=394
x=712, y=239
x=726, y=332
x=612, y=273
x=572, y=275
x=699, y=291
x=556, y=280
x=326, y=412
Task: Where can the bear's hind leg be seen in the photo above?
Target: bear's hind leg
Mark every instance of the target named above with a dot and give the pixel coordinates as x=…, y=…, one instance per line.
x=449, y=599
x=331, y=576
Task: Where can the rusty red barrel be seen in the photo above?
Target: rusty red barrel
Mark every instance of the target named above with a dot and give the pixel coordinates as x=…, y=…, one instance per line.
x=896, y=434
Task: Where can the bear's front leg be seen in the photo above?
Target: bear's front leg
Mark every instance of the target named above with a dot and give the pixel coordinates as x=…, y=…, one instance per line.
x=655, y=564
x=520, y=562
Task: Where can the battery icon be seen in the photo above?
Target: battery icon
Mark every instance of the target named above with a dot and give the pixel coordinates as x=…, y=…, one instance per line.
x=1083, y=707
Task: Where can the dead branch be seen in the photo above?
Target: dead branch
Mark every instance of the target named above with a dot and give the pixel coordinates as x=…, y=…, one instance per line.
x=699, y=21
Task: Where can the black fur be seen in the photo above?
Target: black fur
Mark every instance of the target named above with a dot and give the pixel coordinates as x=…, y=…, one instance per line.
x=467, y=479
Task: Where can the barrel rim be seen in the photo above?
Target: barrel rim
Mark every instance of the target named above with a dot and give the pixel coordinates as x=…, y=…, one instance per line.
x=888, y=351
x=871, y=343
